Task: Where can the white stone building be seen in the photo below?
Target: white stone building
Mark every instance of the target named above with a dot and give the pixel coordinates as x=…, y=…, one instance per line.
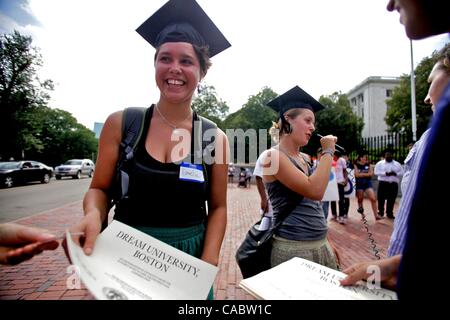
x=368, y=101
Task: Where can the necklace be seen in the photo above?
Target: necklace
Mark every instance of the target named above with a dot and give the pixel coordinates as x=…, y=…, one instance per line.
x=298, y=158
x=170, y=124
x=282, y=149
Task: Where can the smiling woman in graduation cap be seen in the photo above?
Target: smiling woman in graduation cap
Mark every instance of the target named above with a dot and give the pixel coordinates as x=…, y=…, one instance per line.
x=164, y=201
x=294, y=191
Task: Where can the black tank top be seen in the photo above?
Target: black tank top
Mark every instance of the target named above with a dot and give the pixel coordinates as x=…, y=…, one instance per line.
x=157, y=196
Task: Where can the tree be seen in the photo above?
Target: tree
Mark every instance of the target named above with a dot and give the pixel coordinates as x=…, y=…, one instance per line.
x=28, y=127
x=20, y=89
x=256, y=115
x=56, y=136
x=208, y=105
x=338, y=119
x=398, y=115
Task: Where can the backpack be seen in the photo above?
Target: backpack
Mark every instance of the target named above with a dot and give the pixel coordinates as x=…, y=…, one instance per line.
x=133, y=121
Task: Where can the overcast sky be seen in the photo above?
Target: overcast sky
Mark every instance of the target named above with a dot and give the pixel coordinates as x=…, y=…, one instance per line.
x=100, y=64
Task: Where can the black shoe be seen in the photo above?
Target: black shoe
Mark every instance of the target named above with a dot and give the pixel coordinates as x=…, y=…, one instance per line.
x=391, y=217
x=360, y=210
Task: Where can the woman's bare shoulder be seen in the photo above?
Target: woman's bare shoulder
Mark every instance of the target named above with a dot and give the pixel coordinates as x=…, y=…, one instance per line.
x=113, y=126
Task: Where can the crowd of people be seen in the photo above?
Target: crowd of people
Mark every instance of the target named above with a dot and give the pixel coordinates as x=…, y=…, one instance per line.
x=292, y=193
x=388, y=173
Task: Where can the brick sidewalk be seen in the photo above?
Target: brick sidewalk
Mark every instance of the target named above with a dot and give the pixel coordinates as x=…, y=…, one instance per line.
x=45, y=276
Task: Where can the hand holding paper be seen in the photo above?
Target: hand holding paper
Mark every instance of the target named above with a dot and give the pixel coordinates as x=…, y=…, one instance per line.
x=300, y=279
x=129, y=264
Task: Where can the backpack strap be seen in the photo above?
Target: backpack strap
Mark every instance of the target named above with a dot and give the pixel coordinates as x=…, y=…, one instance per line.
x=132, y=126
x=209, y=131
x=207, y=141
x=133, y=119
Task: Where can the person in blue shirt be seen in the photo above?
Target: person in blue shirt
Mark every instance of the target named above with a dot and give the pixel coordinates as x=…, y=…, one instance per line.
x=439, y=77
x=425, y=241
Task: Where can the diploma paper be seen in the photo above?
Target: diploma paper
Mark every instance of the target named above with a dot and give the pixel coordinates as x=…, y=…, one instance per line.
x=129, y=264
x=300, y=279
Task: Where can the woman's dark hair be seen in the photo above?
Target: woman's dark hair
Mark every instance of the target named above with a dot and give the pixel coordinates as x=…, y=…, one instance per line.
x=362, y=154
x=202, y=54
x=203, y=58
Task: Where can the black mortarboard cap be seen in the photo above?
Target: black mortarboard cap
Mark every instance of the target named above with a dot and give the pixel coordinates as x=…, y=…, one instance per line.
x=295, y=98
x=183, y=21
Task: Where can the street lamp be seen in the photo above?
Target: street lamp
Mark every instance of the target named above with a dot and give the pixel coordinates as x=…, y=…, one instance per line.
x=413, y=97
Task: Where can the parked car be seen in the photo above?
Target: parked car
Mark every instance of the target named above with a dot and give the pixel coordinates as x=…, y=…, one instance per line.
x=17, y=172
x=75, y=168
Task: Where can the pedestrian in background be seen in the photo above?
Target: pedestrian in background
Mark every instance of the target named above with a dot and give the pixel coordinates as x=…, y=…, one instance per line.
x=265, y=205
x=388, y=172
x=230, y=172
x=341, y=179
x=363, y=181
x=325, y=204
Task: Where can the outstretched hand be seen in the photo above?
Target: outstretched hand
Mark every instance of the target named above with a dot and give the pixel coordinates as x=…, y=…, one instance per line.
x=19, y=243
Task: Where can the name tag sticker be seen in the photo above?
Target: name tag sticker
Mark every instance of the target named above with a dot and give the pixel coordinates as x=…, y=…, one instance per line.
x=191, y=172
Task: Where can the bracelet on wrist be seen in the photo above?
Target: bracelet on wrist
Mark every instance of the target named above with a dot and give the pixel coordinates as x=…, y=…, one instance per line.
x=327, y=151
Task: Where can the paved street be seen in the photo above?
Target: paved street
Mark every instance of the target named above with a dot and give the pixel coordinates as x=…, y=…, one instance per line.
x=45, y=277
x=23, y=201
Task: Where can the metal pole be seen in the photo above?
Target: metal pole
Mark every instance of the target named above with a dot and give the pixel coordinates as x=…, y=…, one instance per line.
x=413, y=97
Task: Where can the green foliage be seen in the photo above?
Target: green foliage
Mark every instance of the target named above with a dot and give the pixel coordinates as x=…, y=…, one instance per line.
x=208, y=105
x=338, y=119
x=255, y=114
x=398, y=115
x=20, y=89
x=28, y=127
x=54, y=136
